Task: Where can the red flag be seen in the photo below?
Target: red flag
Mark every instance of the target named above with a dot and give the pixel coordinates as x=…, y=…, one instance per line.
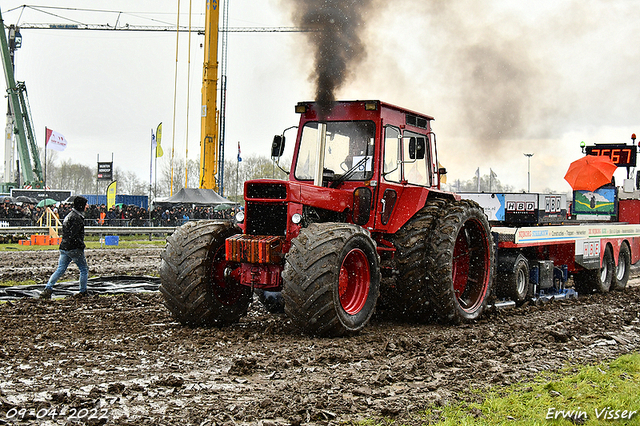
x=55, y=141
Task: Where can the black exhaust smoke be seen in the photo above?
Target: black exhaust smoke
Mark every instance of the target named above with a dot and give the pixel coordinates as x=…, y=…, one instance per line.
x=338, y=47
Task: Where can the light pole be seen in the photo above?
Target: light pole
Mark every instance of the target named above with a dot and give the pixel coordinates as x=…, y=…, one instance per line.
x=237, y=168
x=528, y=171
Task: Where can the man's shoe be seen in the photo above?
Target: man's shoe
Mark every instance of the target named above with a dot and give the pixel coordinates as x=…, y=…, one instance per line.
x=80, y=295
x=46, y=294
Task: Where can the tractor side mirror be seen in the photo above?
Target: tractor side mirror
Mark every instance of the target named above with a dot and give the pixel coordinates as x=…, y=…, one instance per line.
x=277, y=146
x=417, y=148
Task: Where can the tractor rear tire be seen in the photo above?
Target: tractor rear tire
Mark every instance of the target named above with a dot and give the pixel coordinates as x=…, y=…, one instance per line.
x=597, y=280
x=461, y=264
x=331, y=279
x=407, y=299
x=623, y=270
x=195, y=276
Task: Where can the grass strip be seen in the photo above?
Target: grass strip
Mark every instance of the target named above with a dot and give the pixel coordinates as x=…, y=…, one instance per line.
x=91, y=243
x=603, y=394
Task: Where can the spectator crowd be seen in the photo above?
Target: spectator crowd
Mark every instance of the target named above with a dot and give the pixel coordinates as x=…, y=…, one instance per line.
x=25, y=214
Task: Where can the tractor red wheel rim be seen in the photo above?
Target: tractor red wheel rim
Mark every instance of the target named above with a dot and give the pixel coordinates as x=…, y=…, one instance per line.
x=354, y=281
x=470, y=266
x=227, y=290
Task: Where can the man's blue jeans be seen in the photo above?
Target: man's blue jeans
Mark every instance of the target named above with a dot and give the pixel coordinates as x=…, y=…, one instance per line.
x=66, y=256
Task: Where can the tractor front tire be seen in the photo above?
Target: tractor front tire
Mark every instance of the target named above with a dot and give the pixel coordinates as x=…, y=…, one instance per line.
x=331, y=279
x=461, y=263
x=195, y=277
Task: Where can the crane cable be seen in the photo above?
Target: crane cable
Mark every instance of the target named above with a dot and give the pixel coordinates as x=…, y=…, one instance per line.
x=186, y=154
x=175, y=90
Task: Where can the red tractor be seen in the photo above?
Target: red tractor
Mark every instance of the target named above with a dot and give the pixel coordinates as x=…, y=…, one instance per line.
x=360, y=222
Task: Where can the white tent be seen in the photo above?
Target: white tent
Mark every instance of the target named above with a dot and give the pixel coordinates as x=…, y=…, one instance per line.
x=204, y=197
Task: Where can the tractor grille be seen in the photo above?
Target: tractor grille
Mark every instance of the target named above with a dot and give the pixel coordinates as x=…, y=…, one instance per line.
x=268, y=191
x=266, y=218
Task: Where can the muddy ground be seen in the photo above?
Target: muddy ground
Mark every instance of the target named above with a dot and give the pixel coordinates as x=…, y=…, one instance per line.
x=38, y=266
x=122, y=359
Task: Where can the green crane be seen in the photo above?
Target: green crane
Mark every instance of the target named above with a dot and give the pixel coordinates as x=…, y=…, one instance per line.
x=30, y=165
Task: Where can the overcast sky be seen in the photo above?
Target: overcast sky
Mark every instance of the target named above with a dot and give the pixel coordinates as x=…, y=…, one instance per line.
x=502, y=78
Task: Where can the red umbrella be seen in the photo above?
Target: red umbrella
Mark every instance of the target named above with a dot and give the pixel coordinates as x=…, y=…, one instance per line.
x=590, y=172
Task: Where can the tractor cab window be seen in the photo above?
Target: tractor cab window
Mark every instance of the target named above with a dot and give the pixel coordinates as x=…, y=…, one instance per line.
x=348, y=153
x=392, y=167
x=406, y=157
x=415, y=158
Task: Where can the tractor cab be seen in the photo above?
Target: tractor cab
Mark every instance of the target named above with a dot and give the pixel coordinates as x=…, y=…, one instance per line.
x=383, y=156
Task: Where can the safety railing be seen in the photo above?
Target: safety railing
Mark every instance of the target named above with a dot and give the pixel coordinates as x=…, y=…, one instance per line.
x=93, y=230
x=146, y=228
x=6, y=222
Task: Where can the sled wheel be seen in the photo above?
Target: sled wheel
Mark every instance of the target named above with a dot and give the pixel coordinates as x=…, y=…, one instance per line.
x=461, y=264
x=196, y=279
x=515, y=284
x=597, y=280
x=331, y=279
x=407, y=298
x=623, y=269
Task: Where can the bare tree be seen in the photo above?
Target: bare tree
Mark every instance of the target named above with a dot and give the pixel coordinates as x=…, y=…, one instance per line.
x=83, y=179
x=129, y=183
x=69, y=175
x=487, y=184
x=49, y=165
x=166, y=176
x=251, y=167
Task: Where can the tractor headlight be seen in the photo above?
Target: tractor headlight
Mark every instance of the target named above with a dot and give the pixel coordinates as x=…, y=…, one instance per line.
x=240, y=217
x=296, y=218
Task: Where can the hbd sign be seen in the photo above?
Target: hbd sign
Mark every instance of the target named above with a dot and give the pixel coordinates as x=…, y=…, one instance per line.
x=520, y=206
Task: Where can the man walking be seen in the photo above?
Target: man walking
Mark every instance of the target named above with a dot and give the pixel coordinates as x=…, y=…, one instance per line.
x=71, y=248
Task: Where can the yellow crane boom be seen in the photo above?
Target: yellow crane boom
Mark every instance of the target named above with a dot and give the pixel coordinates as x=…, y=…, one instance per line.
x=209, y=143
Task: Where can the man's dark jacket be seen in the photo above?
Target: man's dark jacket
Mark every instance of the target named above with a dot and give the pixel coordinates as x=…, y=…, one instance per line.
x=73, y=231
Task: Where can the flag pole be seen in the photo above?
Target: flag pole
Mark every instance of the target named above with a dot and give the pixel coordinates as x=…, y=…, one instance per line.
x=237, y=168
x=45, y=157
x=158, y=147
x=150, y=177
x=97, y=190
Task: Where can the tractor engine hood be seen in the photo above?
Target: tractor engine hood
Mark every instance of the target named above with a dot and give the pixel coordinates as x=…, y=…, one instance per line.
x=269, y=190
